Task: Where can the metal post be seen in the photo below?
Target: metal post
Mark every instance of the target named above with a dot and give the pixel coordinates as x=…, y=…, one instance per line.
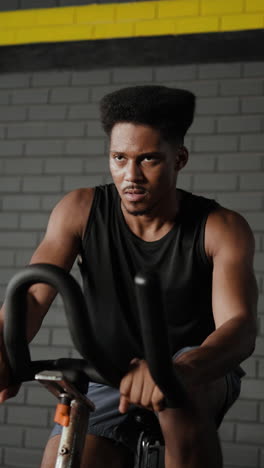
x=73, y=437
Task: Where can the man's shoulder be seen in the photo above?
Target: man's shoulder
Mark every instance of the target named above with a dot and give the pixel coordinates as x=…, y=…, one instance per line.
x=227, y=228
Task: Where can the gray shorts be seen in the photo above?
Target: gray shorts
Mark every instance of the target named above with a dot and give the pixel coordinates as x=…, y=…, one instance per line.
x=107, y=421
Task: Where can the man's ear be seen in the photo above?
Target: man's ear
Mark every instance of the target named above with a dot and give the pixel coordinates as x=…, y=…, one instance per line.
x=181, y=158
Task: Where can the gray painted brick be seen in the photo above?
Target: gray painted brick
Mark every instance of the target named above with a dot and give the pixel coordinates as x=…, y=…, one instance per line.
x=14, y=80
x=3, y=409
x=9, y=184
x=17, y=239
x=227, y=431
x=4, y=97
x=85, y=78
x=2, y=132
x=73, y=182
x=56, y=318
x=11, y=436
x=21, y=202
x=8, y=114
x=219, y=70
x=243, y=411
x=199, y=88
x=61, y=337
x=240, y=455
x=47, y=112
x=33, y=221
x=239, y=162
x=202, y=125
x=42, y=337
x=65, y=129
x=44, y=147
x=8, y=221
x=67, y=94
x=63, y=166
x=42, y=184
x=252, y=389
x=184, y=181
x=262, y=412
x=23, y=166
x=252, y=105
x=23, y=257
x=250, y=433
x=40, y=396
x=94, y=129
x=26, y=131
x=261, y=368
x=255, y=220
x=85, y=147
x=29, y=96
x=88, y=111
x=97, y=92
x=261, y=303
x=49, y=201
x=197, y=163
x=50, y=352
x=217, y=106
x=252, y=181
x=36, y=437
x=250, y=366
x=22, y=458
x=241, y=87
x=215, y=143
x=259, y=261
x=60, y=78
x=11, y=148
x=252, y=142
x=253, y=69
x=241, y=201
x=215, y=182
x=259, y=350
x=6, y=258
x=22, y=416
x=175, y=73
x=95, y=165
x=239, y=124
x=132, y=75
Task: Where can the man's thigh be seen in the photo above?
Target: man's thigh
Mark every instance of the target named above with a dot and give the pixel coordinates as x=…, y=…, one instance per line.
x=99, y=452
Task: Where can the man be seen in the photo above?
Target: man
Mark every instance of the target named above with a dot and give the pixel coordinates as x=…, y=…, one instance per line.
x=203, y=254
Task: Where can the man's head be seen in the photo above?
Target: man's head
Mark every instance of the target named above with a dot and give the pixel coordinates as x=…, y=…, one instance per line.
x=146, y=126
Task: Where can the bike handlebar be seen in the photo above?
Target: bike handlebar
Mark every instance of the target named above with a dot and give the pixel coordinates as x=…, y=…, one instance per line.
x=152, y=321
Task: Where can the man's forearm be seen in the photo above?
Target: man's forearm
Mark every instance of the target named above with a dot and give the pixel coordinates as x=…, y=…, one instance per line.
x=35, y=315
x=222, y=351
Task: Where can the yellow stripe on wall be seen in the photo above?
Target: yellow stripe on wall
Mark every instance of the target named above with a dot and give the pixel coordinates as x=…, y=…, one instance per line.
x=117, y=20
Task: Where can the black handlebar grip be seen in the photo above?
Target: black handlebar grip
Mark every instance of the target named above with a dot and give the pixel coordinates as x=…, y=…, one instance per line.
x=155, y=338
x=76, y=312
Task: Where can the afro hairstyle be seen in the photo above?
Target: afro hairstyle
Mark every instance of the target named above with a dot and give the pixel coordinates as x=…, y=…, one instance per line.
x=168, y=110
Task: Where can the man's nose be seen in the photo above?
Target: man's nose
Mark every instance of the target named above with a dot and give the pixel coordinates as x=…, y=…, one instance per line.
x=133, y=171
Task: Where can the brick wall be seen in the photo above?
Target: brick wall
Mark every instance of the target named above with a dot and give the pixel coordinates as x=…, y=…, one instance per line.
x=51, y=142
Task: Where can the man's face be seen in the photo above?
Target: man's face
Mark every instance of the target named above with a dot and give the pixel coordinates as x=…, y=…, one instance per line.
x=144, y=167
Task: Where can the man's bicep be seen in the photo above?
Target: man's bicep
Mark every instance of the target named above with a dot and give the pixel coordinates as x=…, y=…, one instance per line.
x=234, y=283
x=60, y=247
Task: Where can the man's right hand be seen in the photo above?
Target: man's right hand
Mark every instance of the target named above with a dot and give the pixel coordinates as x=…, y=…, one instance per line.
x=6, y=390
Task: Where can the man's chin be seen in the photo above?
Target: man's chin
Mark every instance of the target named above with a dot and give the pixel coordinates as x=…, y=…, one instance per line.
x=136, y=211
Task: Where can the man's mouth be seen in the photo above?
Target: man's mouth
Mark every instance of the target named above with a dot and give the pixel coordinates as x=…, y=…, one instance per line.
x=135, y=194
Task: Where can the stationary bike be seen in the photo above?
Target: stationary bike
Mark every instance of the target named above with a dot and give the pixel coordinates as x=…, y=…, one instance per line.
x=68, y=379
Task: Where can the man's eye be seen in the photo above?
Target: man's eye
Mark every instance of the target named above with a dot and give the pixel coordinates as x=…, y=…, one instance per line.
x=119, y=158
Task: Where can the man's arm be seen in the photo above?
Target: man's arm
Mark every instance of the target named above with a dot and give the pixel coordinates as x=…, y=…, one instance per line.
x=60, y=247
x=230, y=244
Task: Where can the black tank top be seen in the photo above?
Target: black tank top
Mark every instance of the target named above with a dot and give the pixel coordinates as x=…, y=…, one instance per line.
x=112, y=255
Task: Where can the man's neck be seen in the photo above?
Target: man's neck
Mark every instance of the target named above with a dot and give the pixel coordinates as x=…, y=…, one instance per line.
x=158, y=222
